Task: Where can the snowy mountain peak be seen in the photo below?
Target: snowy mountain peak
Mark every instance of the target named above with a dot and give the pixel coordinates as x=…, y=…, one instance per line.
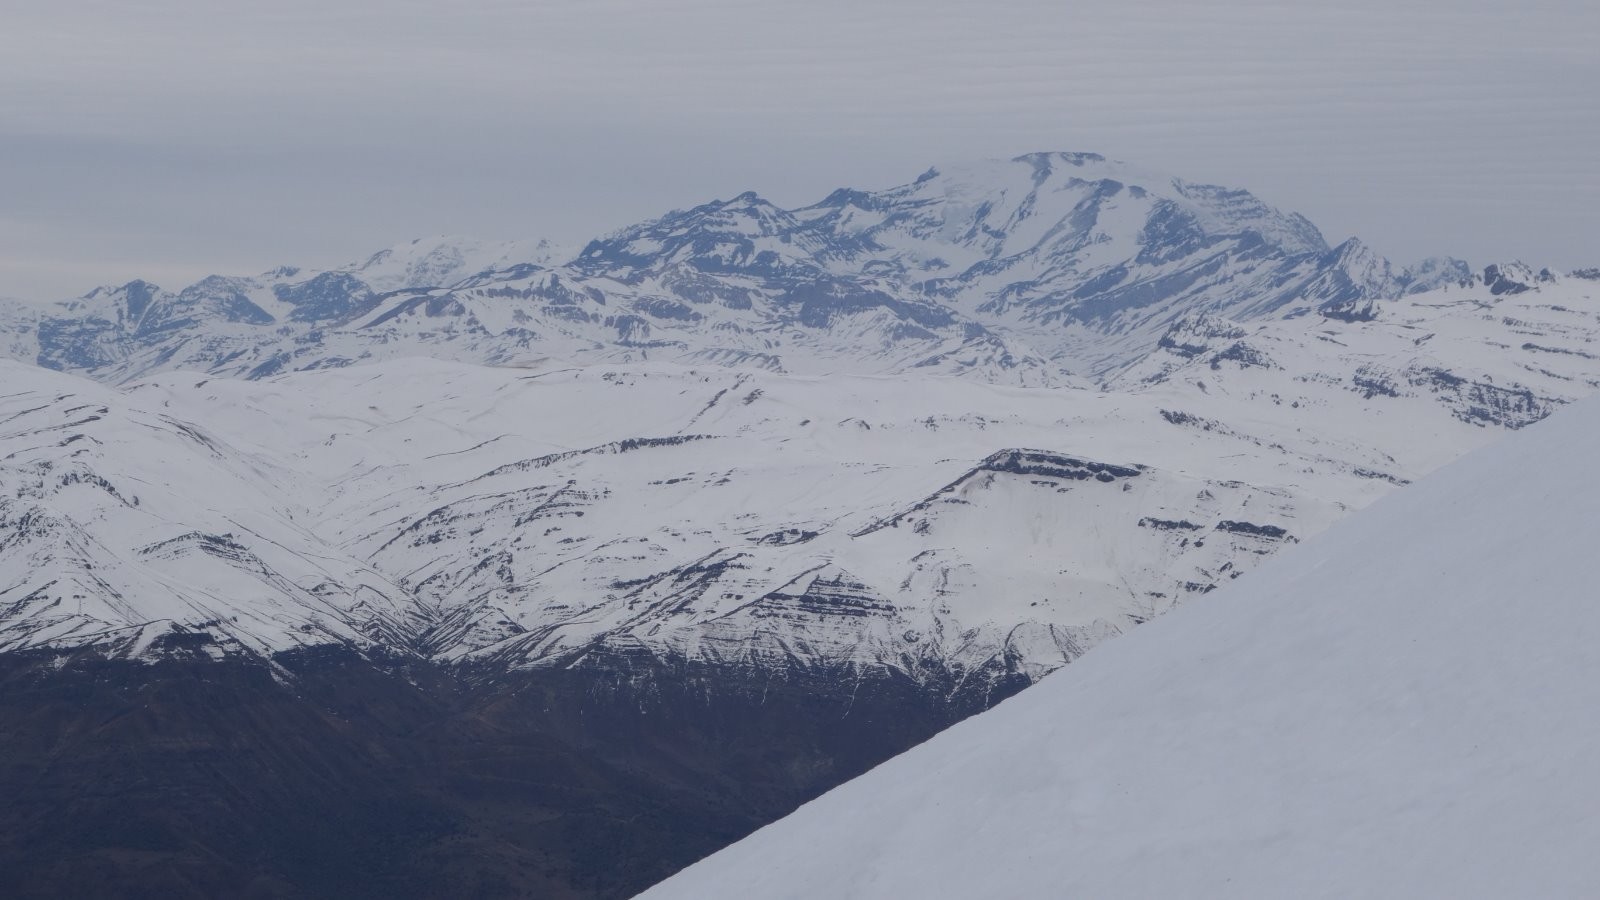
x=1036, y=270
x=1065, y=193
x=1509, y=278
x=445, y=260
x=1436, y=272
x=1369, y=274
x=125, y=301
x=1044, y=160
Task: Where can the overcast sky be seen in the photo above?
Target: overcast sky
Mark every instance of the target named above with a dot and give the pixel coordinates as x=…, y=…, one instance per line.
x=173, y=138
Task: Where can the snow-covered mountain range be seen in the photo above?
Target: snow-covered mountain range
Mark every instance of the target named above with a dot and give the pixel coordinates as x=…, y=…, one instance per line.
x=1028, y=271
x=1394, y=710
x=965, y=529
x=704, y=517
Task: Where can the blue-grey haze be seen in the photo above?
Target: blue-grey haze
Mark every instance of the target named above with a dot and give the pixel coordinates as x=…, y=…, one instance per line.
x=171, y=138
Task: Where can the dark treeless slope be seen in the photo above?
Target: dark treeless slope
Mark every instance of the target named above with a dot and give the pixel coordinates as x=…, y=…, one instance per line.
x=340, y=779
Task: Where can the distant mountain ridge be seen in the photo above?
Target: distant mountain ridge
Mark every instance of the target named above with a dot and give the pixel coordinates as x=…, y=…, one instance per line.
x=452, y=570
x=1043, y=269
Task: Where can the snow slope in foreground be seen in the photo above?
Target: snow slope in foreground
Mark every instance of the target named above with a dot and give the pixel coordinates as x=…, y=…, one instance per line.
x=1404, y=707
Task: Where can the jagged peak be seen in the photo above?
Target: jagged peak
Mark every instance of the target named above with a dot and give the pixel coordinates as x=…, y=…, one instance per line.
x=1348, y=276
x=747, y=215
x=129, y=300
x=215, y=282
x=1365, y=267
x=747, y=201
x=842, y=197
x=1352, y=248
x=1510, y=277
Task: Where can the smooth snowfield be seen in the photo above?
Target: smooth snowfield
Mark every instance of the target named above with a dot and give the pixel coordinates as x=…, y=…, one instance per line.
x=1403, y=707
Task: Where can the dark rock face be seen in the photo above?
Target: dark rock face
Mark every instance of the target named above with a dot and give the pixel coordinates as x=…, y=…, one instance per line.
x=1054, y=465
x=343, y=776
x=331, y=296
x=1481, y=403
x=1508, y=278
x=1169, y=524
x=1030, y=463
x=1354, y=309
x=85, y=343
x=1274, y=532
x=1244, y=356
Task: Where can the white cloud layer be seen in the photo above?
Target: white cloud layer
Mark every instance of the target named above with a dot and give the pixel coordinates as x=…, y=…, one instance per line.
x=173, y=138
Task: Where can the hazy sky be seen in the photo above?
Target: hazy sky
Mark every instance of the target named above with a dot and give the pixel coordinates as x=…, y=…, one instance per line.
x=173, y=138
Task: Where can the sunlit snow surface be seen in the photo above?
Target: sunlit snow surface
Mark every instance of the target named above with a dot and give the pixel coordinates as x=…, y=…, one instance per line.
x=1402, y=707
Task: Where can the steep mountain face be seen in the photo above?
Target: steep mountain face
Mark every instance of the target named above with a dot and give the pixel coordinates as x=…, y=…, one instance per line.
x=745, y=501
x=1028, y=271
x=1331, y=726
